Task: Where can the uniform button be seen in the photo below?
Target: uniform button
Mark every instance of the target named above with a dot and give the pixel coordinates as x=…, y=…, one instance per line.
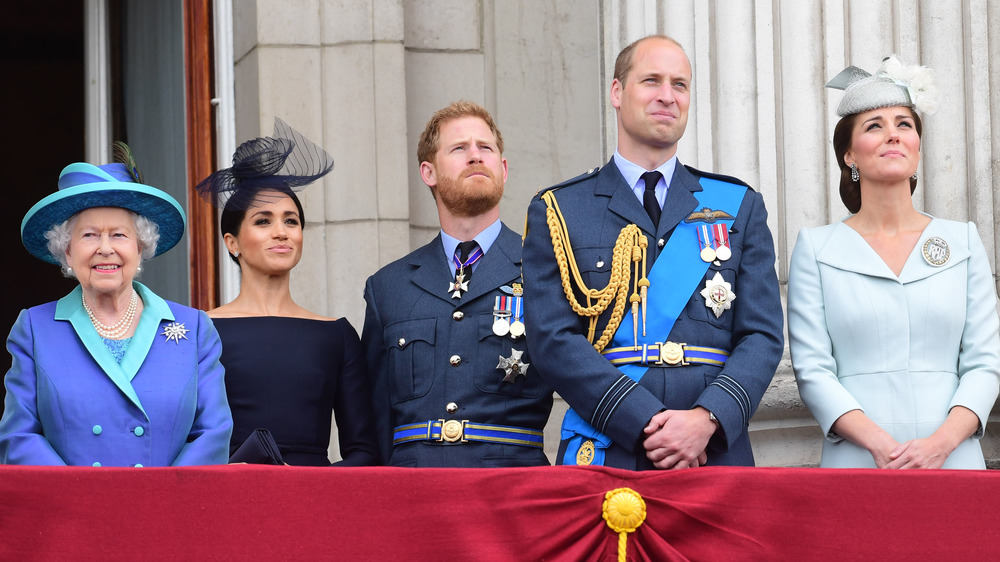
x=139, y=431
x=455, y=360
x=600, y=264
x=97, y=430
x=660, y=243
x=451, y=407
x=402, y=342
x=458, y=315
x=96, y=464
x=138, y=465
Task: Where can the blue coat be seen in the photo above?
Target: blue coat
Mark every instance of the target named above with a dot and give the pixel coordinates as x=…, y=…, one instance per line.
x=70, y=403
x=596, y=206
x=412, y=330
x=904, y=350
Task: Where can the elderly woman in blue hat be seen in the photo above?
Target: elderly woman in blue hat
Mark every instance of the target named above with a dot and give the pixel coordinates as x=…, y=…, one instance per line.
x=111, y=374
x=892, y=315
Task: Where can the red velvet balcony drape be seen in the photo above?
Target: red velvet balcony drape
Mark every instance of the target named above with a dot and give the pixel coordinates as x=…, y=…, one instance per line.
x=555, y=513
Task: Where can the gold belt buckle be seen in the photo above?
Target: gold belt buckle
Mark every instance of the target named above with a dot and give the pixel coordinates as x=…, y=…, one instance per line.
x=453, y=431
x=672, y=353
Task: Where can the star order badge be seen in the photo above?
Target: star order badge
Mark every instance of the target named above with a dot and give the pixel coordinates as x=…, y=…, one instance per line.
x=719, y=295
x=175, y=331
x=513, y=366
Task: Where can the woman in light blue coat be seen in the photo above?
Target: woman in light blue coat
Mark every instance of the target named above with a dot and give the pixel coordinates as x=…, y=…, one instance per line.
x=111, y=374
x=891, y=312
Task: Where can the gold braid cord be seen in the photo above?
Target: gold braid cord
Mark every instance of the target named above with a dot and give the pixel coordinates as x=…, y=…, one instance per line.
x=629, y=252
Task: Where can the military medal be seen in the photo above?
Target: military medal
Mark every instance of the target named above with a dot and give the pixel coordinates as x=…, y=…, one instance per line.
x=936, y=251
x=461, y=282
x=517, y=323
x=501, y=315
x=705, y=243
x=718, y=294
x=722, y=250
x=457, y=286
x=513, y=366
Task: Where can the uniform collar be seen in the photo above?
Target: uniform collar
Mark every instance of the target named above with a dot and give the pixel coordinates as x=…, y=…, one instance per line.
x=632, y=172
x=485, y=239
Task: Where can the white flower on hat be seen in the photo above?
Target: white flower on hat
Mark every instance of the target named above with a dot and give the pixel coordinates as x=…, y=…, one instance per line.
x=917, y=80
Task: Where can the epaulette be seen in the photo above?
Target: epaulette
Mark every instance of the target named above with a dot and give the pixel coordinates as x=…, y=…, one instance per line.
x=589, y=173
x=720, y=177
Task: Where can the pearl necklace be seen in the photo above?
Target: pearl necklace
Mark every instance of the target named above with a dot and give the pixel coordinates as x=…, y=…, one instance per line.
x=119, y=329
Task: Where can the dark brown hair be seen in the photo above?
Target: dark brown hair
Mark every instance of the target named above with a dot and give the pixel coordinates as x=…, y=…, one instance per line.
x=242, y=200
x=850, y=190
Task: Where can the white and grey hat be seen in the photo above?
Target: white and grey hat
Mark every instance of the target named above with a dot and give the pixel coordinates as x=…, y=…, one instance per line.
x=893, y=84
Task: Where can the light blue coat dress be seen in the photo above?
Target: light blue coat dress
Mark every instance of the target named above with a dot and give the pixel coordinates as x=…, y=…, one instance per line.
x=70, y=403
x=904, y=350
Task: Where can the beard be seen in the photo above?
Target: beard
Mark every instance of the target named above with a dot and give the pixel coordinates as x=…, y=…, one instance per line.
x=470, y=196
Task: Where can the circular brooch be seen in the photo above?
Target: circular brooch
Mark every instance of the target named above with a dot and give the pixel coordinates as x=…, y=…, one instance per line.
x=936, y=251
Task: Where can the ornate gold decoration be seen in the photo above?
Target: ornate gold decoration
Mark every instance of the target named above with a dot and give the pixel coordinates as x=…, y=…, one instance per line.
x=585, y=454
x=624, y=511
x=630, y=248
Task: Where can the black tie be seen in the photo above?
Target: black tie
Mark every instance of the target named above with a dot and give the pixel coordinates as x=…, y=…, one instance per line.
x=462, y=252
x=649, y=201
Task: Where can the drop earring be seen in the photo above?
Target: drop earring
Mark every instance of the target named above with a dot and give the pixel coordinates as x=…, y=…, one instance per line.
x=854, y=173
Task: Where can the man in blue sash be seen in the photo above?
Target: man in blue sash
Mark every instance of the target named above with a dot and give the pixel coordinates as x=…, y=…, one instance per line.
x=444, y=331
x=650, y=289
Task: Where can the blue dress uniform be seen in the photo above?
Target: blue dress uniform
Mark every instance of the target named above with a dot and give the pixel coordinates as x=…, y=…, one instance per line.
x=440, y=395
x=746, y=336
x=70, y=403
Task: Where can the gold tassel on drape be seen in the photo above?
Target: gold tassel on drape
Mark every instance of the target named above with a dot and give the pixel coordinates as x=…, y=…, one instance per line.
x=624, y=510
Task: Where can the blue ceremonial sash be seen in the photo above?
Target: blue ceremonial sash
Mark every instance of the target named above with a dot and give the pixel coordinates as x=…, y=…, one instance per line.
x=674, y=276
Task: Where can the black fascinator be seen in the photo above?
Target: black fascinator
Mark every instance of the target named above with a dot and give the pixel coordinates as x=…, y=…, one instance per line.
x=285, y=162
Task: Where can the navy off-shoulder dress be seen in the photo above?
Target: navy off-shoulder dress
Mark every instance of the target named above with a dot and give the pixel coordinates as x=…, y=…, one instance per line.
x=288, y=375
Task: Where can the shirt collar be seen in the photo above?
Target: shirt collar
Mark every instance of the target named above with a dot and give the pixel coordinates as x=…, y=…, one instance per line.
x=633, y=172
x=485, y=239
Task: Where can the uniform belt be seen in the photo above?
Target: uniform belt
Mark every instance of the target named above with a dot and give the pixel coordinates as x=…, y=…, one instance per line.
x=463, y=431
x=666, y=354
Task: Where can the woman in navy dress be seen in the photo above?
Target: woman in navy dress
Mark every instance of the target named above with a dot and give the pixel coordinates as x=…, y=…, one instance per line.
x=287, y=369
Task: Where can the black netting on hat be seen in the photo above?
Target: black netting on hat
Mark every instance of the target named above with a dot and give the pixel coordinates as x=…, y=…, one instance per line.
x=286, y=161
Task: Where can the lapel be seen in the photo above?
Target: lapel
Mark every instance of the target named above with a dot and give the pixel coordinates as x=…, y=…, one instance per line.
x=499, y=266
x=70, y=308
x=624, y=203
x=431, y=270
x=955, y=234
x=848, y=250
x=679, y=204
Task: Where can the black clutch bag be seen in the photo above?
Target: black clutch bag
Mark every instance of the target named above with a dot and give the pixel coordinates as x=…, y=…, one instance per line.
x=259, y=448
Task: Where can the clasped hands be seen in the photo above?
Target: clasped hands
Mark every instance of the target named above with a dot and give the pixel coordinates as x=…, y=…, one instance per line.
x=927, y=452
x=678, y=438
